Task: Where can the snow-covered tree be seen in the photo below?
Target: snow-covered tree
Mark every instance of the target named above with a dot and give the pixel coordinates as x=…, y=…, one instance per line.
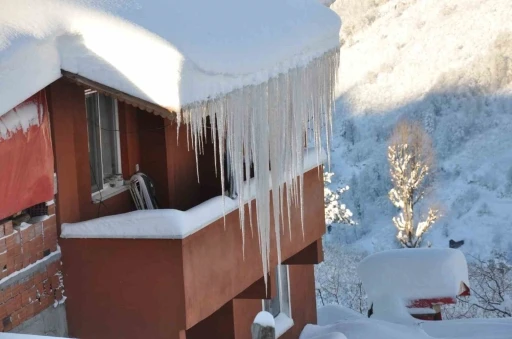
x=491, y=290
x=336, y=278
x=335, y=211
x=411, y=161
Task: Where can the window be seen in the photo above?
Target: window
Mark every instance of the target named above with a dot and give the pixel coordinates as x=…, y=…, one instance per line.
x=103, y=133
x=281, y=302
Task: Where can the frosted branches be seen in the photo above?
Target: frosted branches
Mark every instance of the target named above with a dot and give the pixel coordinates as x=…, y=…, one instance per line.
x=266, y=125
x=335, y=211
x=411, y=160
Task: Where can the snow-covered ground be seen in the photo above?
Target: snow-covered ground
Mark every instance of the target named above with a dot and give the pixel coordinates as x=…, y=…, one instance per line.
x=447, y=64
x=363, y=328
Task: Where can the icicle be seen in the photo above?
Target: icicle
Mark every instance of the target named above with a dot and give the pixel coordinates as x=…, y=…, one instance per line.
x=268, y=124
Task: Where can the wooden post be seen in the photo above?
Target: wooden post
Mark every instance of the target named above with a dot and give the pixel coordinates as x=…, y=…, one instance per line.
x=263, y=326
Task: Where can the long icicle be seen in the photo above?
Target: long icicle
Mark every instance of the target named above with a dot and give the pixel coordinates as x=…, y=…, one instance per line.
x=267, y=124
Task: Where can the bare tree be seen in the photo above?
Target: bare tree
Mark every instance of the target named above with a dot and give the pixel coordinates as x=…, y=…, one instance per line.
x=491, y=288
x=411, y=161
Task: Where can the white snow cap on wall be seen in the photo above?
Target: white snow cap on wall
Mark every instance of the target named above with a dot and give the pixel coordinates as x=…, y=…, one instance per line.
x=416, y=273
x=168, y=52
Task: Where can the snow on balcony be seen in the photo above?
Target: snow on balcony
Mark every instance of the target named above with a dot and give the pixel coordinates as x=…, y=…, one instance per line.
x=167, y=223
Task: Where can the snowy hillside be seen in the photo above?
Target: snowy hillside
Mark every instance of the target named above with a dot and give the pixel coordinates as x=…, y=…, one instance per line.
x=447, y=64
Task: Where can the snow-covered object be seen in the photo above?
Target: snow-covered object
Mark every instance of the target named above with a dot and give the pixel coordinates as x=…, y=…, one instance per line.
x=365, y=328
x=166, y=223
x=333, y=335
x=331, y=314
x=20, y=118
x=265, y=319
x=410, y=274
x=263, y=71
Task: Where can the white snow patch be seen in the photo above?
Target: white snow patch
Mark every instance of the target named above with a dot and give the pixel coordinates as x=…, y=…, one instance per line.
x=265, y=319
x=410, y=274
x=371, y=328
x=168, y=223
x=331, y=314
x=185, y=51
x=283, y=324
x=19, y=119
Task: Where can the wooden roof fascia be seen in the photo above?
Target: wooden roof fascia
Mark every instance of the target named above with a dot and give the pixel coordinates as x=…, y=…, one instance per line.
x=120, y=96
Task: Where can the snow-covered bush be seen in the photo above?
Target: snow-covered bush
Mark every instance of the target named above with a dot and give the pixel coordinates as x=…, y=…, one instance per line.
x=335, y=211
x=337, y=281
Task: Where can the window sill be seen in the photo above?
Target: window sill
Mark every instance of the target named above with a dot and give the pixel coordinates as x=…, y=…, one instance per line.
x=283, y=324
x=108, y=192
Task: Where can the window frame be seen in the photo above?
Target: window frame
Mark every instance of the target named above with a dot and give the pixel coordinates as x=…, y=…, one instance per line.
x=104, y=190
x=283, y=319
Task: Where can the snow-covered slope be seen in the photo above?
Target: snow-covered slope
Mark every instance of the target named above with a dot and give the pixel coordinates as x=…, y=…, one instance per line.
x=447, y=64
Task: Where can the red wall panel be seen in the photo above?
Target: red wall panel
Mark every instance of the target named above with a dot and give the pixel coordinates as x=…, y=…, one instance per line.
x=26, y=163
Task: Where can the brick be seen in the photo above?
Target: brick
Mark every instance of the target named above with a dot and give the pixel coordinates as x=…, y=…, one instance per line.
x=40, y=277
x=27, y=233
x=3, y=245
x=38, y=229
x=17, y=289
x=26, y=260
x=13, y=304
x=18, y=262
x=8, y=268
x=50, y=224
x=53, y=268
x=3, y=311
x=51, y=209
x=13, y=244
x=3, y=260
x=7, y=227
x=28, y=296
x=55, y=282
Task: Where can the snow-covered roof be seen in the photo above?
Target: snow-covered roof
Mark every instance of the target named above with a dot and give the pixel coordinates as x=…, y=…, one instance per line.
x=168, y=52
x=410, y=274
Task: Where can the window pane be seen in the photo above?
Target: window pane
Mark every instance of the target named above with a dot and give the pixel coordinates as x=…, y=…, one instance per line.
x=91, y=104
x=281, y=302
x=109, y=137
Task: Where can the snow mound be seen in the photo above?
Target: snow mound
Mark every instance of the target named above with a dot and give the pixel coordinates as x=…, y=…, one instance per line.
x=409, y=274
x=331, y=314
x=265, y=319
x=365, y=329
x=377, y=329
x=184, y=51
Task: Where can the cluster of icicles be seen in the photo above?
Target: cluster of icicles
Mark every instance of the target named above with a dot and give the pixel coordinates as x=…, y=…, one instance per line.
x=269, y=124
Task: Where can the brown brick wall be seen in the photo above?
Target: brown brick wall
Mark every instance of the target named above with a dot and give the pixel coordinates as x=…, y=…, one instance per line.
x=30, y=275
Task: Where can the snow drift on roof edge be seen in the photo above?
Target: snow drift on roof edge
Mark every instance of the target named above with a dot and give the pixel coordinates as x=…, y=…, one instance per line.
x=171, y=53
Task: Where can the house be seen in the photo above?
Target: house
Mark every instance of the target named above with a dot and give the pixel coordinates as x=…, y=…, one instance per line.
x=414, y=282
x=201, y=97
